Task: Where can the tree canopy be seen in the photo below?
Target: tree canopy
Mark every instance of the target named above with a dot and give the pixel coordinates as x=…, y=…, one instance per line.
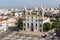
x=55, y=24
x=47, y=26
x=20, y=23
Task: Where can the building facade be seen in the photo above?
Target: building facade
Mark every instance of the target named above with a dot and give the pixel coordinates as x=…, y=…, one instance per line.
x=34, y=20
x=3, y=24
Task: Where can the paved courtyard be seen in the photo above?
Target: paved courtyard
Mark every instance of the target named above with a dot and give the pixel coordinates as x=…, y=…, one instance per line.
x=20, y=36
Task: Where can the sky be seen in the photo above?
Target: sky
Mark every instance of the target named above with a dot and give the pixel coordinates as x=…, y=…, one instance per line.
x=28, y=3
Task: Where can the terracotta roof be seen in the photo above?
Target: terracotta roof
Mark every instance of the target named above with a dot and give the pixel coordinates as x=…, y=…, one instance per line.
x=0, y=25
x=2, y=19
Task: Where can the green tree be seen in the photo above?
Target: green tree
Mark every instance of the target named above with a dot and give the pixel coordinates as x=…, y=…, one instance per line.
x=54, y=24
x=47, y=26
x=20, y=23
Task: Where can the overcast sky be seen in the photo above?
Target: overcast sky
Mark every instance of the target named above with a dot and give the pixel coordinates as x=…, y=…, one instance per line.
x=28, y=3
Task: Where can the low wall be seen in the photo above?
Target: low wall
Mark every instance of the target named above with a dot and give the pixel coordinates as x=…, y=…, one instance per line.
x=13, y=28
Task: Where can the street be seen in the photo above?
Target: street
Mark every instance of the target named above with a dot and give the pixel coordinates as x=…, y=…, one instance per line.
x=20, y=36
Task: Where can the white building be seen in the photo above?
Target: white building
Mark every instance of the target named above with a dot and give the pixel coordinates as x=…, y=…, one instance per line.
x=3, y=24
x=11, y=22
x=18, y=14
x=34, y=20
